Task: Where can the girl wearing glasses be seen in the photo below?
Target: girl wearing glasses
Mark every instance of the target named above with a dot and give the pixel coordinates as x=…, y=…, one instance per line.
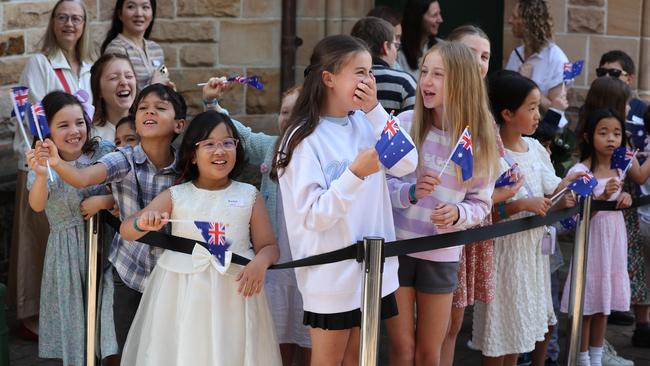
x=200, y=309
x=63, y=63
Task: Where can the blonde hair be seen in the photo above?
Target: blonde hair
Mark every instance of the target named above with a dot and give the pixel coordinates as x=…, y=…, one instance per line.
x=50, y=46
x=465, y=104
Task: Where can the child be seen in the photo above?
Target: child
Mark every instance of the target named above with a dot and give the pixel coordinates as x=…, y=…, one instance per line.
x=204, y=315
x=334, y=191
x=619, y=65
x=521, y=311
x=112, y=80
x=607, y=284
x=427, y=202
x=125, y=134
x=136, y=176
x=281, y=287
x=62, y=310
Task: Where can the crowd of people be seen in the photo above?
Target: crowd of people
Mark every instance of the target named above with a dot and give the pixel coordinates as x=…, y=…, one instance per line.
x=128, y=146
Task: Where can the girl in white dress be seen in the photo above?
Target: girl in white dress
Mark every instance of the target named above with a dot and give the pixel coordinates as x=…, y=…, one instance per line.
x=199, y=309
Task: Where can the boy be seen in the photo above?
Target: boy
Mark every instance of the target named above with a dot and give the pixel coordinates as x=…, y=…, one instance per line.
x=619, y=65
x=395, y=89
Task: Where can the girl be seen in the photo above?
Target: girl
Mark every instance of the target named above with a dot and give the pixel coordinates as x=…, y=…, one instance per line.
x=196, y=310
x=334, y=191
x=284, y=299
x=521, y=311
x=125, y=134
x=420, y=24
x=62, y=311
x=129, y=36
x=607, y=285
x=428, y=279
x=112, y=80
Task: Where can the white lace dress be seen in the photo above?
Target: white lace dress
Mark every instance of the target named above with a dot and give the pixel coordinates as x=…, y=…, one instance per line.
x=522, y=308
x=190, y=313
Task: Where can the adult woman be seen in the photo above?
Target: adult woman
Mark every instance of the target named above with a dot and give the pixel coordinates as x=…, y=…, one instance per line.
x=129, y=35
x=63, y=64
x=420, y=24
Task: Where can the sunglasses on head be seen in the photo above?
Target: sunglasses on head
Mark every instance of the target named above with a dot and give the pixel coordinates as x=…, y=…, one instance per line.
x=615, y=73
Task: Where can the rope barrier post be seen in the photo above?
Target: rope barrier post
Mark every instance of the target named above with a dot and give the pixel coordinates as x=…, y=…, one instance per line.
x=578, y=274
x=370, y=300
x=91, y=303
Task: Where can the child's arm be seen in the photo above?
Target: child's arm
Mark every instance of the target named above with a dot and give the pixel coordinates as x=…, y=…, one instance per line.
x=251, y=278
x=535, y=205
x=474, y=207
x=502, y=194
x=403, y=192
x=78, y=178
x=639, y=173
x=151, y=218
x=38, y=192
x=93, y=204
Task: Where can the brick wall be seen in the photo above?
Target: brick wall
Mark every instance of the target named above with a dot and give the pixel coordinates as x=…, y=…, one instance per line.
x=201, y=38
x=585, y=29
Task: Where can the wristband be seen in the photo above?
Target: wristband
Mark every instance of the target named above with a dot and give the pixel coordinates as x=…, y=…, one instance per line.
x=135, y=226
x=501, y=209
x=211, y=103
x=412, y=199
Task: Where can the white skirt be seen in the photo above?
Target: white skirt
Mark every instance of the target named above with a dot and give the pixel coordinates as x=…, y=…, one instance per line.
x=196, y=317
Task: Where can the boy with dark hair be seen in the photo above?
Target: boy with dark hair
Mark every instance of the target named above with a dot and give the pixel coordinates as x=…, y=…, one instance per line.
x=136, y=176
x=619, y=65
x=395, y=89
x=391, y=16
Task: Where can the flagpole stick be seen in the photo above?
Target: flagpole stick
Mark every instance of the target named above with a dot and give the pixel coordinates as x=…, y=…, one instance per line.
x=629, y=165
x=20, y=123
x=40, y=136
x=558, y=194
x=446, y=163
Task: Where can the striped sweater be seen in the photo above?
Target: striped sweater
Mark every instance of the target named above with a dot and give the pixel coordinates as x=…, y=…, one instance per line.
x=395, y=89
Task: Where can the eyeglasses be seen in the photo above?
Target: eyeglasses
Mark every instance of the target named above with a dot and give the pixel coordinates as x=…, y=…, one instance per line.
x=615, y=73
x=212, y=145
x=75, y=19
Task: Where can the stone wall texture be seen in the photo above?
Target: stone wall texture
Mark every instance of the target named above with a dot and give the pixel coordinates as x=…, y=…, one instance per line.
x=201, y=38
x=585, y=29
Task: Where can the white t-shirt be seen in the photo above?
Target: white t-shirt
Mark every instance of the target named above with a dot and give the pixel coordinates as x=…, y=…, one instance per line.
x=327, y=207
x=105, y=132
x=548, y=66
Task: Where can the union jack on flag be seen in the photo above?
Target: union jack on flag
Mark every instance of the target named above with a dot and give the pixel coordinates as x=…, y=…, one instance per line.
x=253, y=81
x=38, y=122
x=584, y=185
x=393, y=144
x=506, y=178
x=20, y=98
x=462, y=155
x=621, y=158
x=572, y=70
x=214, y=234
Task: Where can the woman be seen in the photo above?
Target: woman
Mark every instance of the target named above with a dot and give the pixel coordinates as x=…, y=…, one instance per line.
x=420, y=24
x=63, y=64
x=129, y=35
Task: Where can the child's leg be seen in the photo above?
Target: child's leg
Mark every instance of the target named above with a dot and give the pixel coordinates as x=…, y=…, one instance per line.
x=401, y=328
x=449, y=344
x=328, y=346
x=351, y=357
x=510, y=360
x=304, y=356
x=539, y=353
x=287, y=352
x=433, y=313
x=584, y=338
x=492, y=361
x=597, y=330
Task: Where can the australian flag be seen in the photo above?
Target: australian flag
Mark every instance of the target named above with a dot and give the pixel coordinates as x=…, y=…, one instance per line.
x=38, y=122
x=462, y=155
x=393, y=144
x=20, y=99
x=507, y=178
x=621, y=158
x=570, y=223
x=253, y=81
x=572, y=70
x=214, y=233
x=584, y=185
x=636, y=131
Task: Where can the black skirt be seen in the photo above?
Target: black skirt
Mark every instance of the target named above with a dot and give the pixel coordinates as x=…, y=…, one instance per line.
x=348, y=319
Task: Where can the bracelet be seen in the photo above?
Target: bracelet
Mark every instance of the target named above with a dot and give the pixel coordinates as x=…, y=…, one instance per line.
x=501, y=209
x=412, y=199
x=135, y=226
x=211, y=103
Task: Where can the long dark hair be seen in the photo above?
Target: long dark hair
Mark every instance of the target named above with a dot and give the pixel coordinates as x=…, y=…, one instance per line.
x=412, y=30
x=199, y=130
x=604, y=92
x=57, y=100
x=587, y=149
x=507, y=90
x=96, y=71
x=117, y=26
x=330, y=54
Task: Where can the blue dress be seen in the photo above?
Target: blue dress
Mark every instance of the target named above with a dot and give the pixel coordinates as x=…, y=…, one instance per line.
x=63, y=287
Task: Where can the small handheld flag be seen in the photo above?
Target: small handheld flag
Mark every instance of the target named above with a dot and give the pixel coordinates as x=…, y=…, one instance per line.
x=253, y=81
x=584, y=185
x=622, y=158
x=38, y=127
x=570, y=223
x=636, y=132
x=393, y=144
x=20, y=101
x=214, y=233
x=572, y=70
x=507, y=178
x=462, y=155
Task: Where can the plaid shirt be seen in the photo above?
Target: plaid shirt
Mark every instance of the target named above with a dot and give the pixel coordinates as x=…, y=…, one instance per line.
x=134, y=261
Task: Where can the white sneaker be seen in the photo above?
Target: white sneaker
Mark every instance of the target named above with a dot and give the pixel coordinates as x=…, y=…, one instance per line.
x=611, y=358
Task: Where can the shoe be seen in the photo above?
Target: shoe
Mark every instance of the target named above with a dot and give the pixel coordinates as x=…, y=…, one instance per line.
x=620, y=318
x=611, y=358
x=471, y=346
x=24, y=333
x=524, y=359
x=641, y=337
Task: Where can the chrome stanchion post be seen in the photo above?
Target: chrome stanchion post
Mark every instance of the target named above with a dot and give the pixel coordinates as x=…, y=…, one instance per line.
x=578, y=274
x=91, y=303
x=370, y=300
